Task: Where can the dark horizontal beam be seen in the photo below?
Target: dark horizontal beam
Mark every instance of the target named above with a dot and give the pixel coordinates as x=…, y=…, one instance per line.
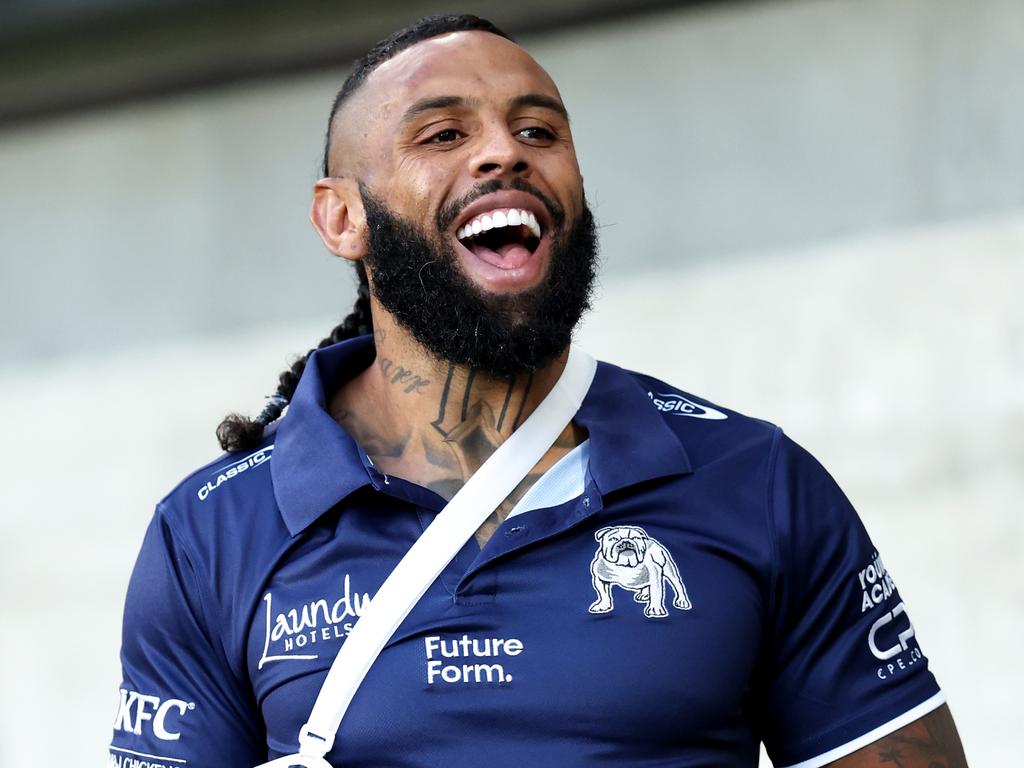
x=165, y=47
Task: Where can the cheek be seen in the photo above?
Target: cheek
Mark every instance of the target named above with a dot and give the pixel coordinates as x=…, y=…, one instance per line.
x=562, y=172
x=418, y=187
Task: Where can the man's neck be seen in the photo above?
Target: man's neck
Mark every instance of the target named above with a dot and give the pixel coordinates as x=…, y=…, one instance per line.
x=435, y=423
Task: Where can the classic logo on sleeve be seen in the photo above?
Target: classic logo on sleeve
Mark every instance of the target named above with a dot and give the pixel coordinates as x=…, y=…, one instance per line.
x=627, y=557
x=223, y=474
x=682, y=406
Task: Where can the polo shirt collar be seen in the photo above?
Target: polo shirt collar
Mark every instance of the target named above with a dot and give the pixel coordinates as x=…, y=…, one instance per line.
x=630, y=442
x=317, y=463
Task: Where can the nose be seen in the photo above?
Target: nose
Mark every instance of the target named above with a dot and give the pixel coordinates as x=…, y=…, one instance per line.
x=499, y=153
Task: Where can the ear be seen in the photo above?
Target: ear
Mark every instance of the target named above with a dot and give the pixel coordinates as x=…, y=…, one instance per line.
x=338, y=217
x=601, y=533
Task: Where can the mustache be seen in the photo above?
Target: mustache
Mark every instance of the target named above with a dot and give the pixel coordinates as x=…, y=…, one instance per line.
x=450, y=212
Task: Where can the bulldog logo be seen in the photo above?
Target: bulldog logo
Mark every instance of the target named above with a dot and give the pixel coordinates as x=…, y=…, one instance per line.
x=631, y=559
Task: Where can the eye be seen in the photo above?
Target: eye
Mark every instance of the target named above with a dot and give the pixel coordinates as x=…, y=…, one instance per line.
x=447, y=136
x=536, y=133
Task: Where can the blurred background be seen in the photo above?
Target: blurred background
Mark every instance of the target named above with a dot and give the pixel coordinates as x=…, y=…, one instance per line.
x=812, y=211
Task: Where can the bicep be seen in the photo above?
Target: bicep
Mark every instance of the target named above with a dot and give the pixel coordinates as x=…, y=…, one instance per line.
x=929, y=742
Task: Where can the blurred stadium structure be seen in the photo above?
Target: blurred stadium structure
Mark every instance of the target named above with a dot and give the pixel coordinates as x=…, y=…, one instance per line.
x=813, y=212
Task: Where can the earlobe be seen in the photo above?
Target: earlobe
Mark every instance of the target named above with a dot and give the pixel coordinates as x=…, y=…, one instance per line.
x=337, y=215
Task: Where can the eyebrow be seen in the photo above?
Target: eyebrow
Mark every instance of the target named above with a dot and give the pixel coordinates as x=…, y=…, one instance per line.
x=447, y=102
x=431, y=103
x=540, y=100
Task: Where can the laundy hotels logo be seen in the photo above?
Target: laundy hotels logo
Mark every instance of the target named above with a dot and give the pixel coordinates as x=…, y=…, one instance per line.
x=682, y=406
x=294, y=634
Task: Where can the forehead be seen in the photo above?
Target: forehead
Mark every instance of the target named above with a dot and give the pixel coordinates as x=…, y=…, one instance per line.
x=456, y=64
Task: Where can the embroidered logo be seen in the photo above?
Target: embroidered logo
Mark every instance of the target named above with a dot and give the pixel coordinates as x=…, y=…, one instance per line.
x=290, y=634
x=223, y=474
x=137, y=712
x=627, y=557
x=681, y=406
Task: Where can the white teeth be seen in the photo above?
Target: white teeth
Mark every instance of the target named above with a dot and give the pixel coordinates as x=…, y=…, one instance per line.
x=498, y=219
x=531, y=222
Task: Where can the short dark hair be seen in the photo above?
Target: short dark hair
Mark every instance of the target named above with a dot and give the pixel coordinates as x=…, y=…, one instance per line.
x=237, y=432
x=391, y=46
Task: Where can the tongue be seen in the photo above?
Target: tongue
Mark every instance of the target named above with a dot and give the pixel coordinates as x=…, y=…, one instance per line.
x=508, y=256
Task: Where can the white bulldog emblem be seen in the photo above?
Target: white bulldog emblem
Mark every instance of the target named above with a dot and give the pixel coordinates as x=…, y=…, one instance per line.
x=631, y=559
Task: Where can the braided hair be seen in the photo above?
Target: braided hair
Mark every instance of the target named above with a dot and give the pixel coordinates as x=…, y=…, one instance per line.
x=239, y=433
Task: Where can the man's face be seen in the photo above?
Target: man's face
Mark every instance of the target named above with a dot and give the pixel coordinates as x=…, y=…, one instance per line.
x=480, y=242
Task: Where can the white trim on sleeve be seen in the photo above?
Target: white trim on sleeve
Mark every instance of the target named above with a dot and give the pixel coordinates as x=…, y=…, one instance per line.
x=875, y=734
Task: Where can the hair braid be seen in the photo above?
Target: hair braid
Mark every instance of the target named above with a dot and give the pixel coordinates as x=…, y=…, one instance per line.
x=239, y=433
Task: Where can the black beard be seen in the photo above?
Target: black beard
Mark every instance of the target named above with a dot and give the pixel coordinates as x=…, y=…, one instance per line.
x=418, y=279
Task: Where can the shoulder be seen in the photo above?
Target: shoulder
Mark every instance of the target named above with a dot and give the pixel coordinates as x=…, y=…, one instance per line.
x=226, y=504
x=708, y=430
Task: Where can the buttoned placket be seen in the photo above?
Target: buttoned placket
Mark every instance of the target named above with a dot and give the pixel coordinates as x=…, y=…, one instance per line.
x=473, y=574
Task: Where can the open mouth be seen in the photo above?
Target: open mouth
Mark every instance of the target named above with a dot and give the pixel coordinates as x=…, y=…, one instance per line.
x=503, y=237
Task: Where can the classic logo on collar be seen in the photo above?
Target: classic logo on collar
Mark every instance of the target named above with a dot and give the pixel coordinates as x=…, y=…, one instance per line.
x=681, y=406
x=292, y=634
x=627, y=557
x=223, y=474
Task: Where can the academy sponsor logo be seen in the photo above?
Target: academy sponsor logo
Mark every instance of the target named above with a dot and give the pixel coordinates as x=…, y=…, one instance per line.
x=875, y=583
x=140, y=712
x=455, y=662
x=224, y=474
x=681, y=406
x=298, y=629
x=890, y=634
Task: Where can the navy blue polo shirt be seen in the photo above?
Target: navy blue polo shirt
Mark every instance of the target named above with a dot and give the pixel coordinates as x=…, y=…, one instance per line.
x=710, y=588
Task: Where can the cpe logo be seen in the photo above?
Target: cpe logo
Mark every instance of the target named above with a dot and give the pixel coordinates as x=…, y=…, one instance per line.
x=899, y=638
x=135, y=709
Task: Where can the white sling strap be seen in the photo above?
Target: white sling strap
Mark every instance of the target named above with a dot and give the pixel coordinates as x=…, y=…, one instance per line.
x=435, y=548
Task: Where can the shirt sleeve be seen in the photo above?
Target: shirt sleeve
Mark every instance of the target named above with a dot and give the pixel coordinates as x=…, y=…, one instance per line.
x=180, y=706
x=843, y=665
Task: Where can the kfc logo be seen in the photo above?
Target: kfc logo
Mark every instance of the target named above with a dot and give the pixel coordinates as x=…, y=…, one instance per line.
x=137, y=709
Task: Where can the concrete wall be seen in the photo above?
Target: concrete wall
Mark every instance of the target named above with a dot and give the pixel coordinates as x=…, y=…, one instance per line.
x=813, y=212
x=703, y=135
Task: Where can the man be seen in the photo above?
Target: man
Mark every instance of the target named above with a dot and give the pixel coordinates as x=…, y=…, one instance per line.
x=672, y=583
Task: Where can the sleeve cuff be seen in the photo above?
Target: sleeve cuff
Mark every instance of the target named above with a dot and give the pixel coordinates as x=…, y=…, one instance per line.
x=875, y=734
